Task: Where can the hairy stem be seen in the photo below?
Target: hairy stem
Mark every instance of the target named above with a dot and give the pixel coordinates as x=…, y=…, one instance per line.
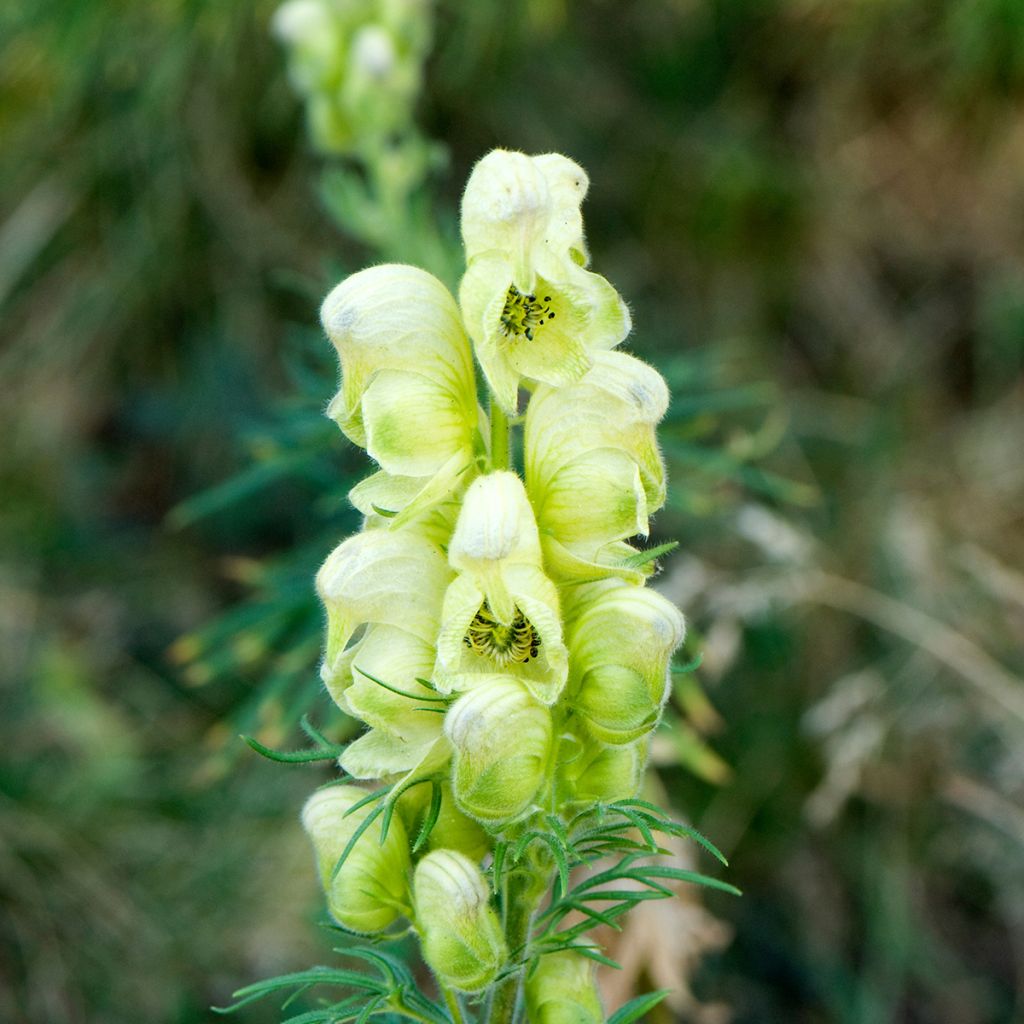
x=452, y=1001
x=522, y=892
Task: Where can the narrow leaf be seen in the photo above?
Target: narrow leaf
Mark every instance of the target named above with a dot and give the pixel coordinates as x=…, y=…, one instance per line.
x=636, y=1008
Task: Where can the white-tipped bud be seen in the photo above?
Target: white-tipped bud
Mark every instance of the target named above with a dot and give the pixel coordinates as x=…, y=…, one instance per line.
x=501, y=739
x=562, y=990
x=371, y=886
x=461, y=936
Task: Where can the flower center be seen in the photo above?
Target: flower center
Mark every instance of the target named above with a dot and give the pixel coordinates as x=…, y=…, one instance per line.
x=524, y=314
x=506, y=645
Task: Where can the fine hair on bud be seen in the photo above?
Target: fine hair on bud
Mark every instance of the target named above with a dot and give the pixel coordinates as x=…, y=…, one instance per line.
x=367, y=893
x=501, y=738
x=459, y=930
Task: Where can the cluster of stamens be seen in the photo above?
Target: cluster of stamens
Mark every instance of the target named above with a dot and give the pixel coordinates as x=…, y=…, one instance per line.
x=523, y=314
x=505, y=645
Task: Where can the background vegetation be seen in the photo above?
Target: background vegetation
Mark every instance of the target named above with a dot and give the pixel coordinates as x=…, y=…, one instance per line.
x=814, y=209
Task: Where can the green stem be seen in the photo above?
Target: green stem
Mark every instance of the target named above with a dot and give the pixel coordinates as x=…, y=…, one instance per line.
x=522, y=891
x=499, y=436
x=452, y=1001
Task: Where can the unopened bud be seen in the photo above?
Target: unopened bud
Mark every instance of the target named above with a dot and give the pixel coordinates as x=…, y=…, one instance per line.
x=462, y=939
x=602, y=774
x=501, y=737
x=367, y=893
x=621, y=640
x=561, y=990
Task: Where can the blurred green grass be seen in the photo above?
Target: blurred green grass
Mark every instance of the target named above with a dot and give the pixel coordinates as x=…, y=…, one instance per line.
x=819, y=195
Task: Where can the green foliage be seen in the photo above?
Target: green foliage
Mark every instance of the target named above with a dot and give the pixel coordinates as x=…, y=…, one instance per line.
x=614, y=850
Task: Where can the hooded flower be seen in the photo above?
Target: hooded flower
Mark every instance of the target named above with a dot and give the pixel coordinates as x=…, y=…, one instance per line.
x=501, y=738
x=408, y=393
x=369, y=890
x=462, y=938
x=500, y=613
x=621, y=638
x=391, y=583
x=380, y=576
x=593, y=469
x=530, y=306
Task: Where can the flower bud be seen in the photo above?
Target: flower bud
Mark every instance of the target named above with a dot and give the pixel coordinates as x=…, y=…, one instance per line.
x=501, y=739
x=370, y=888
x=461, y=936
x=453, y=830
x=562, y=990
x=621, y=638
x=601, y=774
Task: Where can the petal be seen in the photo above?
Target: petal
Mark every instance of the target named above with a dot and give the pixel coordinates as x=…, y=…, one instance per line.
x=496, y=525
x=393, y=317
x=579, y=563
x=599, y=496
x=413, y=425
x=567, y=185
x=482, y=295
x=382, y=576
x=378, y=754
x=399, y=659
x=506, y=206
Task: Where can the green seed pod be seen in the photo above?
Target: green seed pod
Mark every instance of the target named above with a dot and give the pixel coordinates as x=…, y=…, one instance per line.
x=562, y=991
x=366, y=894
x=501, y=737
x=461, y=936
x=602, y=773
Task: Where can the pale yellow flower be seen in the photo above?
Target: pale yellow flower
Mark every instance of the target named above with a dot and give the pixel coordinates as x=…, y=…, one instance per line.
x=408, y=391
x=530, y=306
x=500, y=613
x=593, y=469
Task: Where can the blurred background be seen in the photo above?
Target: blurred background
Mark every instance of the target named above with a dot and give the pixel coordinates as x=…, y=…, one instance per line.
x=815, y=210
